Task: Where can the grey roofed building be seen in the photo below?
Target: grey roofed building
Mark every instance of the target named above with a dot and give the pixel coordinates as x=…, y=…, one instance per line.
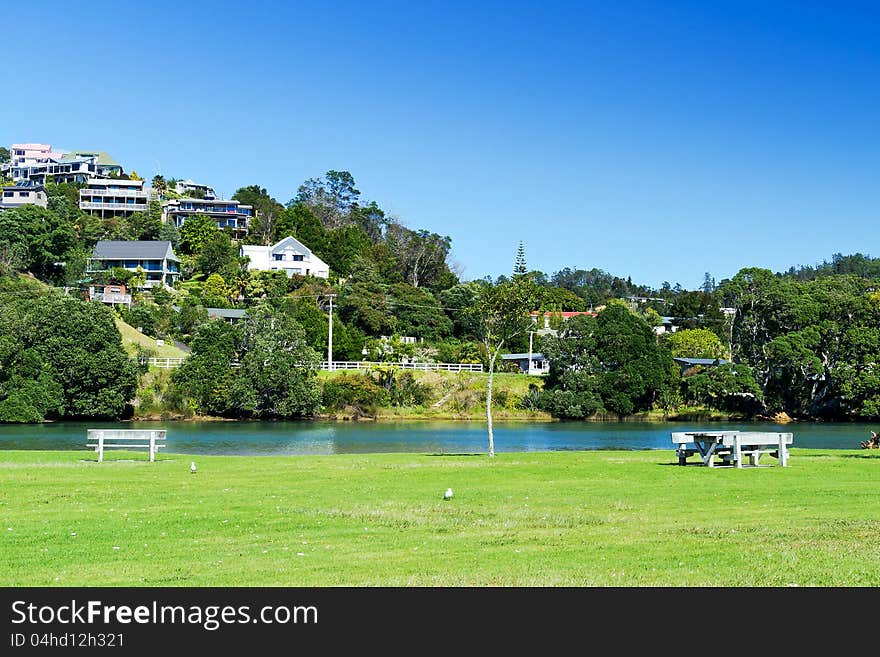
x=231, y=315
x=156, y=258
x=687, y=363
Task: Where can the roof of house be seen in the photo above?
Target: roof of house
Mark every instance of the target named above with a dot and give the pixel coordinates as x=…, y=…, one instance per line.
x=102, y=158
x=701, y=361
x=535, y=356
x=227, y=313
x=135, y=250
x=564, y=313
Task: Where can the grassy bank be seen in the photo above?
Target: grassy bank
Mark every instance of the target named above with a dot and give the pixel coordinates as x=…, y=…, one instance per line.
x=534, y=519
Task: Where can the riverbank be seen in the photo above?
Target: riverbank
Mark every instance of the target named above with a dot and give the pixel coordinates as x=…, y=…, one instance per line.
x=450, y=396
x=600, y=518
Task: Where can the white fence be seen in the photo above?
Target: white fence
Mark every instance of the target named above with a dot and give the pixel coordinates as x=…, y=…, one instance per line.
x=165, y=363
x=170, y=363
x=425, y=367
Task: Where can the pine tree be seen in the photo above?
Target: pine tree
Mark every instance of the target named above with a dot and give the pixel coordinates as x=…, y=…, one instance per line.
x=519, y=267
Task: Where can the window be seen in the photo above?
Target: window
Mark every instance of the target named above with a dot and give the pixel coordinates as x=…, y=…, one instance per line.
x=297, y=258
x=277, y=256
x=8, y=194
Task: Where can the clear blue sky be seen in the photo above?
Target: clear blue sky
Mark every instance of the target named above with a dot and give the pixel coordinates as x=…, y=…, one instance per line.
x=659, y=140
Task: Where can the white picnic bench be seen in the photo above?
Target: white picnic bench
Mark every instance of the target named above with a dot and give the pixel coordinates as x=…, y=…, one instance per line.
x=101, y=439
x=731, y=446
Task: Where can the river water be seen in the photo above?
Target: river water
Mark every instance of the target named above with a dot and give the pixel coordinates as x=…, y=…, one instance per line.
x=276, y=438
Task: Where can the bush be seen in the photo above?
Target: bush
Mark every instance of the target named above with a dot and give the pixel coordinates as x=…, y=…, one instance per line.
x=569, y=404
x=358, y=390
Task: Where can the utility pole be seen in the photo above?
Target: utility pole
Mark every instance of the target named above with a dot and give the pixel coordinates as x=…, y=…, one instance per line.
x=330, y=336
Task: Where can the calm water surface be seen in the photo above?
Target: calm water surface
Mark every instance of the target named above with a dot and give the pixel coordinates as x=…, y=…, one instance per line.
x=269, y=438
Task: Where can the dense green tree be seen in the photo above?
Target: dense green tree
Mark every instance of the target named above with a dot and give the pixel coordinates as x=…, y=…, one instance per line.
x=726, y=387
x=458, y=302
x=695, y=343
x=365, y=305
x=343, y=247
x=418, y=313
x=4, y=155
x=218, y=254
x=267, y=211
x=206, y=376
x=197, y=231
x=46, y=239
x=61, y=357
x=277, y=376
x=299, y=221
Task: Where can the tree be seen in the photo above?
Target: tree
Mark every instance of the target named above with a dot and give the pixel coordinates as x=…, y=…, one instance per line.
x=146, y=225
x=196, y=232
x=421, y=254
x=696, y=343
x=159, y=183
x=215, y=290
x=267, y=211
x=168, y=232
x=205, y=377
x=519, y=266
x=502, y=313
x=46, y=238
x=277, y=376
x=64, y=358
x=4, y=155
x=418, y=313
x=333, y=199
x=217, y=255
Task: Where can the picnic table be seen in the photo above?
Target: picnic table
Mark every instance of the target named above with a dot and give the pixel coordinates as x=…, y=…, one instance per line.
x=731, y=446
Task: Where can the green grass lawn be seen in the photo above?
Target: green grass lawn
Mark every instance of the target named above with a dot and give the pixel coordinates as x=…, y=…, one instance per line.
x=597, y=518
x=132, y=339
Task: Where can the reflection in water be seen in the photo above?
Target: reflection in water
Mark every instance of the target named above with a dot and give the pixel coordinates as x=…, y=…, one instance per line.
x=268, y=438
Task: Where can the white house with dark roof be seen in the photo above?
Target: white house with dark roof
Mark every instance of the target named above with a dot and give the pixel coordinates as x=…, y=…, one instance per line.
x=156, y=259
x=14, y=196
x=289, y=255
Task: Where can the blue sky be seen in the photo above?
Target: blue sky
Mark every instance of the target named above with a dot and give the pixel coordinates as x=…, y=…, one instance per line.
x=658, y=140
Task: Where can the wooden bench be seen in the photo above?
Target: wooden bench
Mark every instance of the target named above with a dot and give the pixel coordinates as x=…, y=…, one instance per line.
x=732, y=446
x=101, y=439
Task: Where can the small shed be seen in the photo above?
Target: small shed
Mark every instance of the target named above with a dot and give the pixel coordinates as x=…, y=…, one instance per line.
x=535, y=366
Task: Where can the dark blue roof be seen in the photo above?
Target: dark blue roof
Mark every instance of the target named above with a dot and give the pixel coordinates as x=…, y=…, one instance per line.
x=701, y=361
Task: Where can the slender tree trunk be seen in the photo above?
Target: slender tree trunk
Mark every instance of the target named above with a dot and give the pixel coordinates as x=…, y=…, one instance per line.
x=489, y=404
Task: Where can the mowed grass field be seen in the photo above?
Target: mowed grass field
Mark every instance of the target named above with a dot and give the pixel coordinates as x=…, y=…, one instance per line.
x=597, y=518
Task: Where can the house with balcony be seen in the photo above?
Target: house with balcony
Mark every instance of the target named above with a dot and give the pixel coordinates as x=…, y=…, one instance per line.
x=195, y=190
x=14, y=196
x=227, y=214
x=289, y=255
x=105, y=166
x=62, y=170
x=114, y=197
x=154, y=257
x=31, y=154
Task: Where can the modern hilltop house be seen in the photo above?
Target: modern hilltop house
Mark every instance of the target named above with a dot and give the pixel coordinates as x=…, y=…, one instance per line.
x=36, y=162
x=114, y=197
x=195, y=190
x=155, y=258
x=227, y=214
x=289, y=255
